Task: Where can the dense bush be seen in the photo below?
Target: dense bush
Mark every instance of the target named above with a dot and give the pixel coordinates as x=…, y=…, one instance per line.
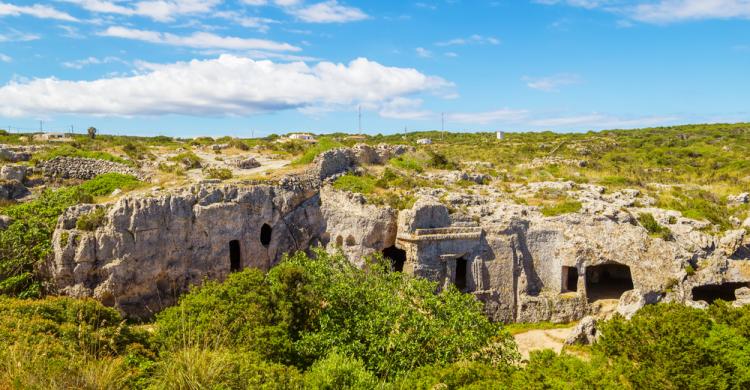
x=653, y=227
x=308, y=307
x=218, y=173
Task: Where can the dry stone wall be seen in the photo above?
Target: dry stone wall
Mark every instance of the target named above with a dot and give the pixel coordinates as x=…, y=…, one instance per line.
x=84, y=168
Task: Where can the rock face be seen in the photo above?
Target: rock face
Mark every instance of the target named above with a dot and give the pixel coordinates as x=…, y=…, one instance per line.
x=84, y=168
x=150, y=250
x=15, y=153
x=584, y=333
x=524, y=266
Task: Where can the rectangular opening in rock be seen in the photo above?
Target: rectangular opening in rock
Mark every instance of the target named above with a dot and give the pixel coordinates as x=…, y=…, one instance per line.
x=235, y=256
x=713, y=292
x=569, y=279
x=461, y=274
x=607, y=281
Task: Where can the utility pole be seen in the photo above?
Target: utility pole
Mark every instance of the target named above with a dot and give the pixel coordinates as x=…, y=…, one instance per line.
x=41, y=126
x=72, y=129
x=442, y=125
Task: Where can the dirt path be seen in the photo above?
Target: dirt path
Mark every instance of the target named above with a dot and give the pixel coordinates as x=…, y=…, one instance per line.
x=535, y=340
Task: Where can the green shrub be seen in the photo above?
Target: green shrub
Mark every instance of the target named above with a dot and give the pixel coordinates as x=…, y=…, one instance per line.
x=440, y=161
x=93, y=220
x=200, y=368
x=407, y=162
x=218, y=173
x=337, y=371
x=310, y=151
x=308, y=307
x=105, y=184
x=239, y=144
x=565, y=207
x=354, y=183
x=653, y=227
x=189, y=160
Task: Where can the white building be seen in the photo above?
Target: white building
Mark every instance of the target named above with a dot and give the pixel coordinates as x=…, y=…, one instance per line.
x=501, y=135
x=424, y=141
x=302, y=136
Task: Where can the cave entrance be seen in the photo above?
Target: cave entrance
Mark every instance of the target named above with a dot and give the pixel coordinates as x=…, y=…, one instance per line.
x=569, y=279
x=460, y=280
x=265, y=235
x=713, y=292
x=396, y=256
x=235, y=256
x=607, y=281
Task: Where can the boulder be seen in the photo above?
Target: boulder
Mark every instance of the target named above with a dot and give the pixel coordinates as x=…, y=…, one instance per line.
x=247, y=163
x=427, y=213
x=584, y=333
x=742, y=198
x=743, y=297
x=12, y=190
x=14, y=172
x=634, y=300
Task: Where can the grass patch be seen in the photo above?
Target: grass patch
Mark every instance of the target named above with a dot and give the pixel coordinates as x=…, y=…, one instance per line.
x=653, y=227
x=356, y=184
x=218, y=173
x=309, y=154
x=564, y=207
x=518, y=328
x=189, y=160
x=71, y=151
x=92, y=221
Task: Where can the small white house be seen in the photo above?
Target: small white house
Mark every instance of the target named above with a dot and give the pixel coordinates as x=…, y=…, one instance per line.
x=302, y=137
x=500, y=135
x=424, y=141
x=52, y=137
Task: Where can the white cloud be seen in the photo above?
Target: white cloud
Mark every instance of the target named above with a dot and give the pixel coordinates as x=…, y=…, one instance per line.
x=5, y=58
x=326, y=12
x=472, y=40
x=17, y=36
x=602, y=121
x=80, y=64
x=228, y=85
x=665, y=11
x=551, y=83
x=198, y=40
x=422, y=52
x=487, y=117
x=405, y=109
x=159, y=10
x=36, y=10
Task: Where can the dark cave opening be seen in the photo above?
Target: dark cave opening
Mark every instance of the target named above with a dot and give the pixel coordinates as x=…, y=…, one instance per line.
x=607, y=281
x=396, y=256
x=460, y=281
x=265, y=235
x=235, y=256
x=713, y=292
x=569, y=279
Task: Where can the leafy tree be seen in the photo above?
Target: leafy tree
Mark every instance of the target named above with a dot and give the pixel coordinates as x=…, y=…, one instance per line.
x=91, y=132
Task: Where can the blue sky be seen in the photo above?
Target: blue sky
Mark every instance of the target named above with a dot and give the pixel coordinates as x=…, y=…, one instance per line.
x=255, y=67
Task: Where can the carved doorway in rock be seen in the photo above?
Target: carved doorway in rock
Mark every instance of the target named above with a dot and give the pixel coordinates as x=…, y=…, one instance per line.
x=396, y=256
x=569, y=279
x=607, y=281
x=461, y=274
x=235, y=256
x=713, y=292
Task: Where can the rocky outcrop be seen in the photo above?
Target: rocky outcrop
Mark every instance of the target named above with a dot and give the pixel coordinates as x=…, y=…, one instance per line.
x=12, y=190
x=584, y=333
x=15, y=153
x=14, y=172
x=356, y=228
x=85, y=168
x=334, y=162
x=247, y=163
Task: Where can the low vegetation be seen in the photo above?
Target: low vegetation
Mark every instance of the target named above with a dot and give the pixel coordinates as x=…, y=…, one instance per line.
x=653, y=227
x=318, y=322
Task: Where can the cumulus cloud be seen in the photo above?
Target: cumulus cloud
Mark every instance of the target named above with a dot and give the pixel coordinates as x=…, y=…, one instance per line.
x=5, y=58
x=551, y=83
x=17, y=36
x=36, y=10
x=198, y=40
x=422, y=52
x=228, y=85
